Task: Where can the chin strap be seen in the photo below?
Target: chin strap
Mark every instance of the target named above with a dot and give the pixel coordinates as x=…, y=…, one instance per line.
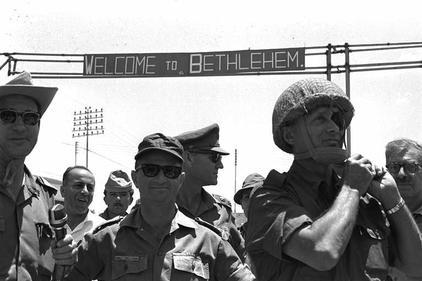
x=324, y=155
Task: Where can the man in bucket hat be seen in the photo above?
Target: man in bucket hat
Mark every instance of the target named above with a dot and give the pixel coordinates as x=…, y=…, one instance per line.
x=329, y=215
x=156, y=241
x=118, y=195
x=203, y=159
x=241, y=197
x=25, y=233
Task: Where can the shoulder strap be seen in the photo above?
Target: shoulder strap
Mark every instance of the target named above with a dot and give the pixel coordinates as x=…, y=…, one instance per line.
x=107, y=223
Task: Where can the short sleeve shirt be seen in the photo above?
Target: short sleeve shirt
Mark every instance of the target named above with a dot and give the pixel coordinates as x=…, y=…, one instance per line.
x=129, y=251
x=24, y=228
x=90, y=222
x=290, y=201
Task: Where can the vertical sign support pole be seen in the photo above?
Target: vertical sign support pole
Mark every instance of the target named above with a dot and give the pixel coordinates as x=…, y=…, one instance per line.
x=235, y=174
x=328, y=56
x=347, y=74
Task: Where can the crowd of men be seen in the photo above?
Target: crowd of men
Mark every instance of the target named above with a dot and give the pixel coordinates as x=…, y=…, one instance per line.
x=331, y=216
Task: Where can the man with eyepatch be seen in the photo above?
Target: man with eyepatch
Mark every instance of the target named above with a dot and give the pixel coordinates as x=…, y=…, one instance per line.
x=25, y=233
x=156, y=241
x=404, y=162
x=328, y=217
x=203, y=159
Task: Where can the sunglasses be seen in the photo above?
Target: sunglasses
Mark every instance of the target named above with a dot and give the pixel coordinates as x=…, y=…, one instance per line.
x=214, y=156
x=29, y=118
x=152, y=170
x=407, y=167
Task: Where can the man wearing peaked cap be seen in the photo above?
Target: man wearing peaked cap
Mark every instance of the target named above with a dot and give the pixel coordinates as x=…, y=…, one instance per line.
x=25, y=198
x=202, y=161
x=331, y=215
x=156, y=241
x=205, y=139
x=118, y=195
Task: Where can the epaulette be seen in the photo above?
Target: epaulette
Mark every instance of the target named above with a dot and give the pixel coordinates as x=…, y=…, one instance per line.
x=51, y=189
x=107, y=223
x=208, y=225
x=222, y=200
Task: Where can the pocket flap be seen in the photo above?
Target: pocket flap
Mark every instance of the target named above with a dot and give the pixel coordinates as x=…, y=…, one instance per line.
x=191, y=264
x=123, y=265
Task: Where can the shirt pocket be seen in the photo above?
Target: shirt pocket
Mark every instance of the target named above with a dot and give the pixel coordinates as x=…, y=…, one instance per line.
x=128, y=269
x=190, y=267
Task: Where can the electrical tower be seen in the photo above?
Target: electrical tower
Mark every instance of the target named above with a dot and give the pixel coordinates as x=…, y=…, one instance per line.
x=87, y=123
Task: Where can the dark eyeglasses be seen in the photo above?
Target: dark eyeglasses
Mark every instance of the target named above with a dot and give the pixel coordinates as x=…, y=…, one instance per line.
x=408, y=167
x=152, y=170
x=214, y=156
x=9, y=116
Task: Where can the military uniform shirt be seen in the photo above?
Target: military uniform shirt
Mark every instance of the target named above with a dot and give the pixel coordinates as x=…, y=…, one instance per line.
x=127, y=251
x=24, y=228
x=107, y=216
x=216, y=210
x=290, y=201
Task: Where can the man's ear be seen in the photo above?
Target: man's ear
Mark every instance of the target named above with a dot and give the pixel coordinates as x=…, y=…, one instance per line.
x=62, y=190
x=134, y=178
x=288, y=135
x=188, y=159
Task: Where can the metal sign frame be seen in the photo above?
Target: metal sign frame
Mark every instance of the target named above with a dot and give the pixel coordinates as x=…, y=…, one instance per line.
x=325, y=54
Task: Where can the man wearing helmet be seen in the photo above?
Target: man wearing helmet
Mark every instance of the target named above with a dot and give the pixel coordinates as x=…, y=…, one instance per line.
x=329, y=217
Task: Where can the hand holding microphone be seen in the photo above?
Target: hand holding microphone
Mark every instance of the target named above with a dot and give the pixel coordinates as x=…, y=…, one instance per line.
x=63, y=248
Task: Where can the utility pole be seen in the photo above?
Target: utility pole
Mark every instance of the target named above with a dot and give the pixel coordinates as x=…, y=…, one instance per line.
x=235, y=175
x=76, y=152
x=86, y=123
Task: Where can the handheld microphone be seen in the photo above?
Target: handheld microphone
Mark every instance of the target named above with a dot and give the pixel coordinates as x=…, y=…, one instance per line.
x=58, y=219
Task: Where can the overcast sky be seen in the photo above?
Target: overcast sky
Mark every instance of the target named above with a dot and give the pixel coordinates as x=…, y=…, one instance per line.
x=387, y=103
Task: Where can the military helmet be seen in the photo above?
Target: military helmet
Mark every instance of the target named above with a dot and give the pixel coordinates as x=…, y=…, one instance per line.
x=301, y=98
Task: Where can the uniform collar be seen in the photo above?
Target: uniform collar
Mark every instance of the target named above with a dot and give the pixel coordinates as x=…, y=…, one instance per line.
x=304, y=173
x=31, y=188
x=315, y=190
x=135, y=220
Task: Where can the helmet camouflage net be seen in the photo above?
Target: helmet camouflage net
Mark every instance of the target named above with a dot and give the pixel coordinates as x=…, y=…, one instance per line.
x=301, y=98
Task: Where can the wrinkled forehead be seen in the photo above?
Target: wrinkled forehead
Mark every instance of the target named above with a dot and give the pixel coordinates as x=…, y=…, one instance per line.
x=18, y=102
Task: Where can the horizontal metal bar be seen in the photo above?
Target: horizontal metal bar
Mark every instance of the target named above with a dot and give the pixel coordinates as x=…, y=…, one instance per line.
x=384, y=49
x=314, y=54
x=384, y=68
x=316, y=67
x=49, y=73
x=386, y=63
x=241, y=74
x=35, y=60
x=41, y=54
x=385, y=44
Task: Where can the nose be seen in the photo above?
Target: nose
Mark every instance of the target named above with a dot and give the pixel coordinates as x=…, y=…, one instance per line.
x=18, y=124
x=85, y=189
x=219, y=164
x=401, y=174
